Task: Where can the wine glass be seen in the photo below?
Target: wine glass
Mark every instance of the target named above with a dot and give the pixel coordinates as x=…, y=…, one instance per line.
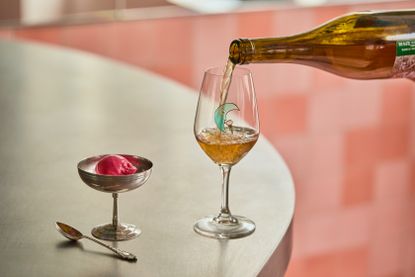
x=226, y=127
x=115, y=184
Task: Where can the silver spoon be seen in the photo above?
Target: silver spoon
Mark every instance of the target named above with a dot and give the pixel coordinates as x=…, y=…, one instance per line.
x=73, y=234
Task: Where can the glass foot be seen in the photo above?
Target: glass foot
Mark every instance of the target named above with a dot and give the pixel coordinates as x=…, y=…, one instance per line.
x=116, y=233
x=238, y=227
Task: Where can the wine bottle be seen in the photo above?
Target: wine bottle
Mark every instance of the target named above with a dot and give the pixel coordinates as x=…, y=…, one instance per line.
x=361, y=45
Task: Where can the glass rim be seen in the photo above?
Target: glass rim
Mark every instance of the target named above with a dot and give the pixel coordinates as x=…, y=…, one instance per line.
x=220, y=70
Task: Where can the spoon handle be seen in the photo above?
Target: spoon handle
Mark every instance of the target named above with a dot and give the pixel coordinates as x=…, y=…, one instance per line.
x=123, y=254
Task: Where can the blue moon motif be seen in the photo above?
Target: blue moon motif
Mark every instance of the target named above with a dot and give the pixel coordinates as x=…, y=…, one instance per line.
x=221, y=112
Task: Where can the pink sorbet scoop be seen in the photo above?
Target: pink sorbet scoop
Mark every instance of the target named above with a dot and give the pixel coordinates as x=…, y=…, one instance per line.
x=115, y=165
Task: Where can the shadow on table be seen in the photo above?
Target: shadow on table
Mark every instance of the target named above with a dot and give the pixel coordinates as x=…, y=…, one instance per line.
x=74, y=244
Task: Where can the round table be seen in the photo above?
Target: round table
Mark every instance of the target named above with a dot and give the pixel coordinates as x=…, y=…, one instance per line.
x=58, y=106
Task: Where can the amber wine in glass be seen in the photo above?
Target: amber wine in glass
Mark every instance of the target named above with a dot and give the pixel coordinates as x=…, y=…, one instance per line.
x=226, y=127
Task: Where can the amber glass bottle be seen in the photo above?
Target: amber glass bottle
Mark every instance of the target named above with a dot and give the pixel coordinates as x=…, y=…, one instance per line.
x=362, y=45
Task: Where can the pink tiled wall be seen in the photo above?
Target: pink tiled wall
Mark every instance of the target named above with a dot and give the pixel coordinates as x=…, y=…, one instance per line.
x=350, y=144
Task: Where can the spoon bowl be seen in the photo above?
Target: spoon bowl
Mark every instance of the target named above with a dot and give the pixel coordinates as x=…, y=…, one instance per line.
x=68, y=231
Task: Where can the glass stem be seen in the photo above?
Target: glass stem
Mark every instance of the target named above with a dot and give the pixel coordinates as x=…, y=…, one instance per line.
x=115, y=210
x=224, y=209
x=225, y=215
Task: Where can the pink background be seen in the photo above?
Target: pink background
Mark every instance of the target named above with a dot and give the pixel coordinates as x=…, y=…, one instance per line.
x=350, y=144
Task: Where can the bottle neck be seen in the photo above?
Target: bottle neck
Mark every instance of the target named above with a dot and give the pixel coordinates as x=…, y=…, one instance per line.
x=266, y=50
x=241, y=51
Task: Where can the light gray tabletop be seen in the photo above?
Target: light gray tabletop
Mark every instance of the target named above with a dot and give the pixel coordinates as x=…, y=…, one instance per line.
x=58, y=106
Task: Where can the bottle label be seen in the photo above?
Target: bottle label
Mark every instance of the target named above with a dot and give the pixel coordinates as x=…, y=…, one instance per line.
x=404, y=66
x=405, y=47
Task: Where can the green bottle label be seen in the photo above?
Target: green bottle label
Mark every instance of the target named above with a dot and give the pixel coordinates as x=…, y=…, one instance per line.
x=404, y=66
x=405, y=47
